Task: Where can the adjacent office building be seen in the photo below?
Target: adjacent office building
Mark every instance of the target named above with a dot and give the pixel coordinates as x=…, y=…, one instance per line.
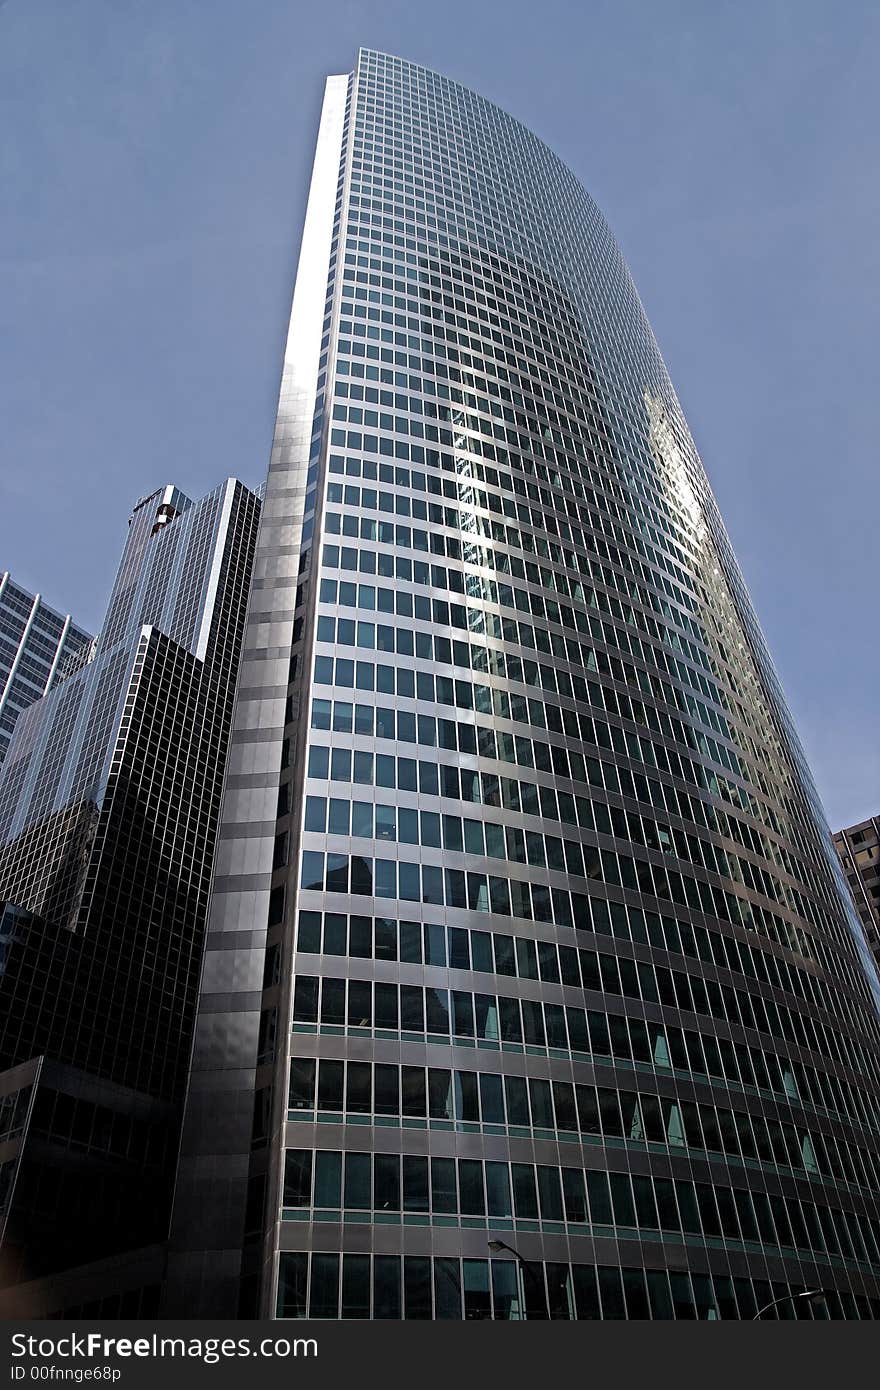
x=532, y=984
x=37, y=648
x=859, y=849
x=109, y=803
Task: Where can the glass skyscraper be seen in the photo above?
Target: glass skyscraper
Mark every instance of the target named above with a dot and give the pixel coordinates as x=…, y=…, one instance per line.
x=109, y=806
x=532, y=986
x=37, y=647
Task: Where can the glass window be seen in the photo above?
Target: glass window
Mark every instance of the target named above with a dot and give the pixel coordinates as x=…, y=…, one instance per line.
x=463, y=1014
x=335, y=934
x=586, y=1292
x=466, y=1103
x=574, y=1194
x=387, y=1100
x=682, y=1296
x=444, y=1197
x=412, y=1009
x=498, y=1189
x=360, y=1003
x=430, y=829
x=386, y=1182
x=360, y=937
x=355, y=1286
x=309, y=932
x=336, y=880
x=621, y=1197
x=470, y=1179
x=301, y=1095
x=491, y=1098
x=447, y=1289
x=312, y=875
x=332, y=1001
x=358, y=1087
x=481, y=951
x=477, y=1300
x=385, y=1286
x=357, y=1181
x=415, y=1183
x=600, y=1201
x=658, y=1293
x=328, y=1178
x=330, y=1080
x=417, y=1287
x=525, y=1197
x=506, y=1290
x=338, y=818
x=646, y=1207
x=635, y=1293
x=542, y=1109
x=517, y=1100
x=411, y=942
x=292, y=1277
x=613, y=1306
x=413, y=1091
x=305, y=999
x=386, y=1013
x=297, y=1178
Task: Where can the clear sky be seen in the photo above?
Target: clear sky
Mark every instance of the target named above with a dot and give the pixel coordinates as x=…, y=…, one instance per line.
x=154, y=160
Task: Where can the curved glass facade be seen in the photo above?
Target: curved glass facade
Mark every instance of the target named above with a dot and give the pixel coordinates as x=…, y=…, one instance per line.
x=559, y=956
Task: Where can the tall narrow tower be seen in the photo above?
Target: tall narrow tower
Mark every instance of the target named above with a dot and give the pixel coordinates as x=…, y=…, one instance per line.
x=109, y=805
x=526, y=932
x=37, y=646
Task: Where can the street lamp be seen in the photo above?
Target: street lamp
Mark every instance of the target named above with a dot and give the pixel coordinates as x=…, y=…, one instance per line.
x=814, y=1296
x=527, y=1267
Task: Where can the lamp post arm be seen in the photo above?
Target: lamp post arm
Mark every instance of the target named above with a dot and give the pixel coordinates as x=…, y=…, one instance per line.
x=786, y=1298
x=528, y=1267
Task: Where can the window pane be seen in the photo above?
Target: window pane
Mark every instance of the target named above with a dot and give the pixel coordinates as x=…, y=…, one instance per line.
x=386, y=1287
x=357, y=1182
x=324, y=1294
x=328, y=1176
x=506, y=1290
x=447, y=1288
x=292, y=1275
x=301, y=1094
x=356, y=1286
x=297, y=1178
x=612, y=1296
x=330, y=1076
x=417, y=1287
x=477, y=1301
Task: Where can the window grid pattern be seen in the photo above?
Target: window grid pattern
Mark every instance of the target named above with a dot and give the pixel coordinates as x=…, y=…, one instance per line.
x=528, y=711
x=37, y=647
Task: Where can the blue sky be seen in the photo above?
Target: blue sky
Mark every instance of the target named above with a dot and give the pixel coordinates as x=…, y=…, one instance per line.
x=154, y=158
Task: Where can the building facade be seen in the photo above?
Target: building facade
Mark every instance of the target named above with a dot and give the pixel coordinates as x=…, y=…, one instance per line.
x=37, y=648
x=859, y=849
x=109, y=805
x=526, y=934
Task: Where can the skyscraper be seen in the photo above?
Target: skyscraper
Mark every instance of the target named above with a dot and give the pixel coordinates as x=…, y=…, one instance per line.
x=109, y=802
x=37, y=646
x=526, y=934
x=859, y=849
